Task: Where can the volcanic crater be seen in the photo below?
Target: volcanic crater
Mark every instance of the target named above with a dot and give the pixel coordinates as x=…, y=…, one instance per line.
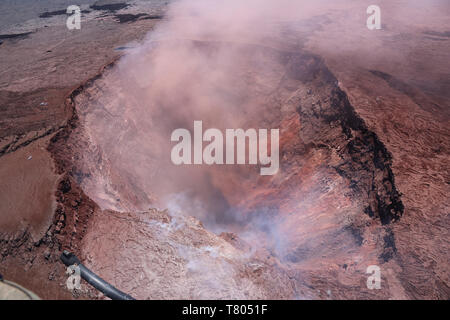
x=344, y=198
x=335, y=187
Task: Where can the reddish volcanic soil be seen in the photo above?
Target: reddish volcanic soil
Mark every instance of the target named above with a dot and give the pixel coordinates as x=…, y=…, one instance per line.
x=363, y=178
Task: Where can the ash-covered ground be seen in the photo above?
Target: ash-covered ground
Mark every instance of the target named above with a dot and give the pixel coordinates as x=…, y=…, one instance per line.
x=364, y=150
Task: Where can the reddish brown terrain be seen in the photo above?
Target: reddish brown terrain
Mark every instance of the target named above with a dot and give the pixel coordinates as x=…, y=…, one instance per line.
x=364, y=154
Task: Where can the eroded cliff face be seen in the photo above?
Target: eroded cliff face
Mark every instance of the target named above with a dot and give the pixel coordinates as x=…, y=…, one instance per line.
x=333, y=124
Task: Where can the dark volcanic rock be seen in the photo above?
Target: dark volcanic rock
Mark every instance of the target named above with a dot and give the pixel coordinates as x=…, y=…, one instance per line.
x=15, y=35
x=50, y=14
x=128, y=17
x=109, y=6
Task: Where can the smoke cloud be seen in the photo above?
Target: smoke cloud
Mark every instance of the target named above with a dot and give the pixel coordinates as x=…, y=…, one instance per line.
x=216, y=61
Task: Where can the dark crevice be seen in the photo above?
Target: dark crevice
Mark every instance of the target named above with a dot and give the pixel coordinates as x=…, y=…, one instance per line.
x=389, y=247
